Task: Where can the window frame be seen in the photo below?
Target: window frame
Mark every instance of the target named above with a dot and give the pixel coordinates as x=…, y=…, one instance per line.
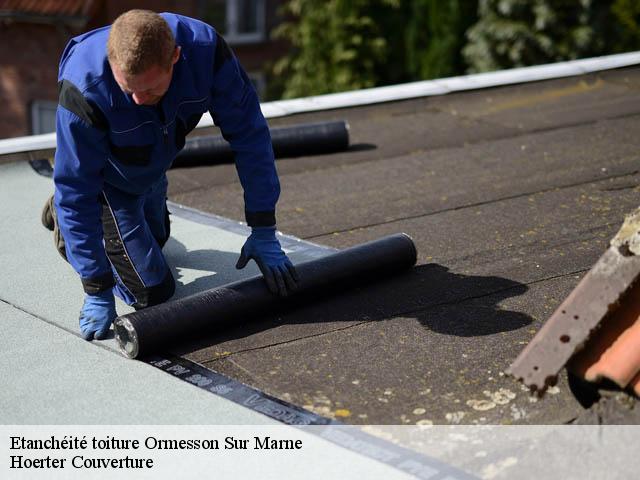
x=37, y=108
x=232, y=35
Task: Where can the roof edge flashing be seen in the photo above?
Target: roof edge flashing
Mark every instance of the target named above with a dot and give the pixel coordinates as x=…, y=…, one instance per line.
x=389, y=93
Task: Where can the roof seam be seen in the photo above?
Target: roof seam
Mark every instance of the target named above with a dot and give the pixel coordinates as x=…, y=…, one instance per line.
x=518, y=134
x=579, y=239
x=55, y=325
x=471, y=205
x=277, y=344
x=488, y=294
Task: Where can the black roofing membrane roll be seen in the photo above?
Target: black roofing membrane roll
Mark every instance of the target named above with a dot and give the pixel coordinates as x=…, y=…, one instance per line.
x=290, y=141
x=147, y=331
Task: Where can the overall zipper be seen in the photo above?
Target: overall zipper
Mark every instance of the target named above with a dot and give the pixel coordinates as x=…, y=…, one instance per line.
x=164, y=127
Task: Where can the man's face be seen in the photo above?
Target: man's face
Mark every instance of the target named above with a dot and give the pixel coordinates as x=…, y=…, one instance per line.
x=148, y=87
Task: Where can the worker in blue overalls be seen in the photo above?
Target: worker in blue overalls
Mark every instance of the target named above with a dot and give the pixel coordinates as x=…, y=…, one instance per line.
x=129, y=94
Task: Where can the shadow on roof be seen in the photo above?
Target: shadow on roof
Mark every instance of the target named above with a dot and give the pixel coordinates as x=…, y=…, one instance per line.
x=442, y=301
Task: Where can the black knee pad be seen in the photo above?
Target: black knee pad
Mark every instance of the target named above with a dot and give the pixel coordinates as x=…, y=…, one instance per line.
x=156, y=294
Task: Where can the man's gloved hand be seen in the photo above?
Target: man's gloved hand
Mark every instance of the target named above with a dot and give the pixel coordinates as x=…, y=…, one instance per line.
x=263, y=246
x=97, y=315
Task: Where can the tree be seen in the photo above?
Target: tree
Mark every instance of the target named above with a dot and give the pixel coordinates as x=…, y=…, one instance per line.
x=435, y=36
x=340, y=45
x=514, y=33
x=337, y=45
x=627, y=14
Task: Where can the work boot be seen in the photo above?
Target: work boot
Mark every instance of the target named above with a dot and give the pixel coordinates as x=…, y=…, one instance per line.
x=48, y=214
x=49, y=221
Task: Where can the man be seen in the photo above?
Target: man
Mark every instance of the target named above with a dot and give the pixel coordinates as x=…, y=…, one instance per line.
x=129, y=94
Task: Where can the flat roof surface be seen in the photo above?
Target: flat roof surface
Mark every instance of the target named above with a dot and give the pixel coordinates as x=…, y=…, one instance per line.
x=510, y=193
x=53, y=377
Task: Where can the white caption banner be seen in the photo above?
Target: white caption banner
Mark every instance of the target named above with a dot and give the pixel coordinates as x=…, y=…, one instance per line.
x=322, y=452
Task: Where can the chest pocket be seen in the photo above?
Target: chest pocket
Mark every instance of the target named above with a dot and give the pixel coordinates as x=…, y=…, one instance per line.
x=138, y=155
x=133, y=146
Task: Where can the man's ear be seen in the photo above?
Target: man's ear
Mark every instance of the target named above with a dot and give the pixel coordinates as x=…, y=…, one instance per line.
x=176, y=55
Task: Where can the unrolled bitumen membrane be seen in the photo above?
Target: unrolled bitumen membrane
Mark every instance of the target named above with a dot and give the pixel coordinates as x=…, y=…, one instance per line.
x=147, y=331
x=291, y=141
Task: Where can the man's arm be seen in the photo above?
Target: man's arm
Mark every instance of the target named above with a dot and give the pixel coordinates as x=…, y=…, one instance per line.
x=81, y=153
x=236, y=110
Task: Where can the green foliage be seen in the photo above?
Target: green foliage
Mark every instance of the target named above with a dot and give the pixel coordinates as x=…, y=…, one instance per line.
x=337, y=45
x=513, y=33
x=435, y=36
x=627, y=15
x=341, y=45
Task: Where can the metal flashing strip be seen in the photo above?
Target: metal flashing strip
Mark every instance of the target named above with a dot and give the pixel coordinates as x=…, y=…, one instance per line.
x=280, y=108
x=235, y=391
x=289, y=243
x=29, y=143
x=442, y=86
x=350, y=438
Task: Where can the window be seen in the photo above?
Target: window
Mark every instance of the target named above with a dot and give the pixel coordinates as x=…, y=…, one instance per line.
x=43, y=116
x=239, y=21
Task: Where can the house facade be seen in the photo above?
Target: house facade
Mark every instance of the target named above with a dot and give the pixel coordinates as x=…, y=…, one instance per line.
x=34, y=33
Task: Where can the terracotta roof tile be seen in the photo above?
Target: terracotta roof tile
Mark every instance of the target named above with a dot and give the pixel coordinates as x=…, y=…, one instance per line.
x=70, y=8
x=613, y=352
x=635, y=385
x=595, y=332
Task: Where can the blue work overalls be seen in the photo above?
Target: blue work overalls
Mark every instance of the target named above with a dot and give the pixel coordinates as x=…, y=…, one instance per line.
x=112, y=156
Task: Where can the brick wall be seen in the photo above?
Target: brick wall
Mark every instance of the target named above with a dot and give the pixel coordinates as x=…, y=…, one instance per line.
x=28, y=71
x=30, y=53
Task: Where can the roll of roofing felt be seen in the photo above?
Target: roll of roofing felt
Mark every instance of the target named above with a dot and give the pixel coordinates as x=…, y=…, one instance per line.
x=294, y=141
x=147, y=331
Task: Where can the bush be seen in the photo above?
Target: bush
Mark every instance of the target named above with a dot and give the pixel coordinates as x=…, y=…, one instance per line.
x=436, y=35
x=340, y=45
x=515, y=33
x=337, y=45
x=627, y=16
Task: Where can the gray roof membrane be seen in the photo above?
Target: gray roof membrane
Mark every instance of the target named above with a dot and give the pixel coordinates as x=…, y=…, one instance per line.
x=55, y=377
x=41, y=297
